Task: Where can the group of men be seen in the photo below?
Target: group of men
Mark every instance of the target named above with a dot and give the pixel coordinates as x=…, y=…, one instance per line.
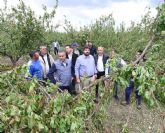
x=74, y=71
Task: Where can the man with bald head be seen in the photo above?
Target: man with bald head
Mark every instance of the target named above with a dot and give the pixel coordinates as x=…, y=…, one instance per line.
x=100, y=61
x=61, y=68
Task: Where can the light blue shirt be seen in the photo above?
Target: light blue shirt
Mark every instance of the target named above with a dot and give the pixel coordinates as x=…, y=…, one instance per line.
x=85, y=66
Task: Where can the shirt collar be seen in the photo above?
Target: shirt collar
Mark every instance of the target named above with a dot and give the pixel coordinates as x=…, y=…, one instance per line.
x=62, y=62
x=85, y=57
x=70, y=54
x=101, y=56
x=65, y=61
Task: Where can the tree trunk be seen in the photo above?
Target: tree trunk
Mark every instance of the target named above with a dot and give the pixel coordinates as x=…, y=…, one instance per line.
x=14, y=61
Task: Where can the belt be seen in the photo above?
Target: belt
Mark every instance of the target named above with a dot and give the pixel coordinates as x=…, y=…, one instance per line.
x=87, y=77
x=101, y=71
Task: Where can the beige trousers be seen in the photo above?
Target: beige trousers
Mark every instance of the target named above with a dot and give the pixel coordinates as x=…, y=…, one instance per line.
x=84, y=82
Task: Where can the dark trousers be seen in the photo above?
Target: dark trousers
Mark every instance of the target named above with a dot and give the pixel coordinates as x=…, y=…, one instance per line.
x=68, y=88
x=55, y=51
x=73, y=90
x=116, y=85
x=129, y=90
x=99, y=75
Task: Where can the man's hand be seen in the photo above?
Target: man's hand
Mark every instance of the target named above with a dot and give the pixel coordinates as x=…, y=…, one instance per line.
x=94, y=77
x=78, y=80
x=72, y=78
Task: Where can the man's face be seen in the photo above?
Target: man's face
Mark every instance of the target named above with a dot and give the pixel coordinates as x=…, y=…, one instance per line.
x=68, y=49
x=100, y=51
x=90, y=44
x=86, y=52
x=43, y=50
x=62, y=56
x=36, y=56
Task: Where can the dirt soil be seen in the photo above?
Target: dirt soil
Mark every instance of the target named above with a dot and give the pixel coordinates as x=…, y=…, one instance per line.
x=145, y=120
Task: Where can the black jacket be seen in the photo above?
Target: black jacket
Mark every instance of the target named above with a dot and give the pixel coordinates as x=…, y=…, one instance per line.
x=74, y=58
x=93, y=50
x=105, y=58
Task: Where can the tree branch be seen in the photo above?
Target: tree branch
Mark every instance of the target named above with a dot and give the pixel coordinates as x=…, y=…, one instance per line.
x=144, y=51
x=152, y=39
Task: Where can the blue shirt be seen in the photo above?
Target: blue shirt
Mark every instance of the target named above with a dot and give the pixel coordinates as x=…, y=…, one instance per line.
x=35, y=69
x=62, y=72
x=85, y=66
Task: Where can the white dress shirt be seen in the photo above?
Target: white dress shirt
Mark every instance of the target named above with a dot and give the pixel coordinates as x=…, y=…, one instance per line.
x=56, y=45
x=70, y=56
x=100, y=65
x=46, y=63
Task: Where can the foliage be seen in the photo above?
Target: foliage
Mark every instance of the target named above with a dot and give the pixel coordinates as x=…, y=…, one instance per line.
x=21, y=30
x=146, y=80
x=126, y=40
x=161, y=25
x=26, y=106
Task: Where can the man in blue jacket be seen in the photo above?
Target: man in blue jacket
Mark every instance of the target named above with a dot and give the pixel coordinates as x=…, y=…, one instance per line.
x=35, y=67
x=61, y=68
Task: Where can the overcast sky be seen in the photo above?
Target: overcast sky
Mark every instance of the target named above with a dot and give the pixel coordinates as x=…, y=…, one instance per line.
x=83, y=12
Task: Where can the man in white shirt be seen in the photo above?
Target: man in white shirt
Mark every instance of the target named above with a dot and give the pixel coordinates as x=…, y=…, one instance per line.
x=46, y=60
x=119, y=63
x=100, y=61
x=56, y=47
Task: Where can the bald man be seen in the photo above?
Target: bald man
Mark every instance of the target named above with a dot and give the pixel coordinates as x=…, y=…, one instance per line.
x=62, y=69
x=100, y=61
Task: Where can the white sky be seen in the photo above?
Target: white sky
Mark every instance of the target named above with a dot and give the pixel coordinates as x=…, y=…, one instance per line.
x=84, y=12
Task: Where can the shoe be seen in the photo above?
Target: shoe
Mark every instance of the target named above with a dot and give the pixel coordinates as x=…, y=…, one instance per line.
x=139, y=106
x=124, y=103
x=116, y=98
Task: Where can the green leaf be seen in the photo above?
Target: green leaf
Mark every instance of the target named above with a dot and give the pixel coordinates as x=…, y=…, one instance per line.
x=147, y=94
x=74, y=126
x=40, y=126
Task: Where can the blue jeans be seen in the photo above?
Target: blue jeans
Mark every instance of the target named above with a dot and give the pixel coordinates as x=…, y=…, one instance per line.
x=129, y=90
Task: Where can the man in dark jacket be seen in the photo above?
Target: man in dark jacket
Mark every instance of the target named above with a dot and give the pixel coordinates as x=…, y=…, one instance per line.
x=100, y=61
x=92, y=48
x=72, y=57
x=75, y=48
